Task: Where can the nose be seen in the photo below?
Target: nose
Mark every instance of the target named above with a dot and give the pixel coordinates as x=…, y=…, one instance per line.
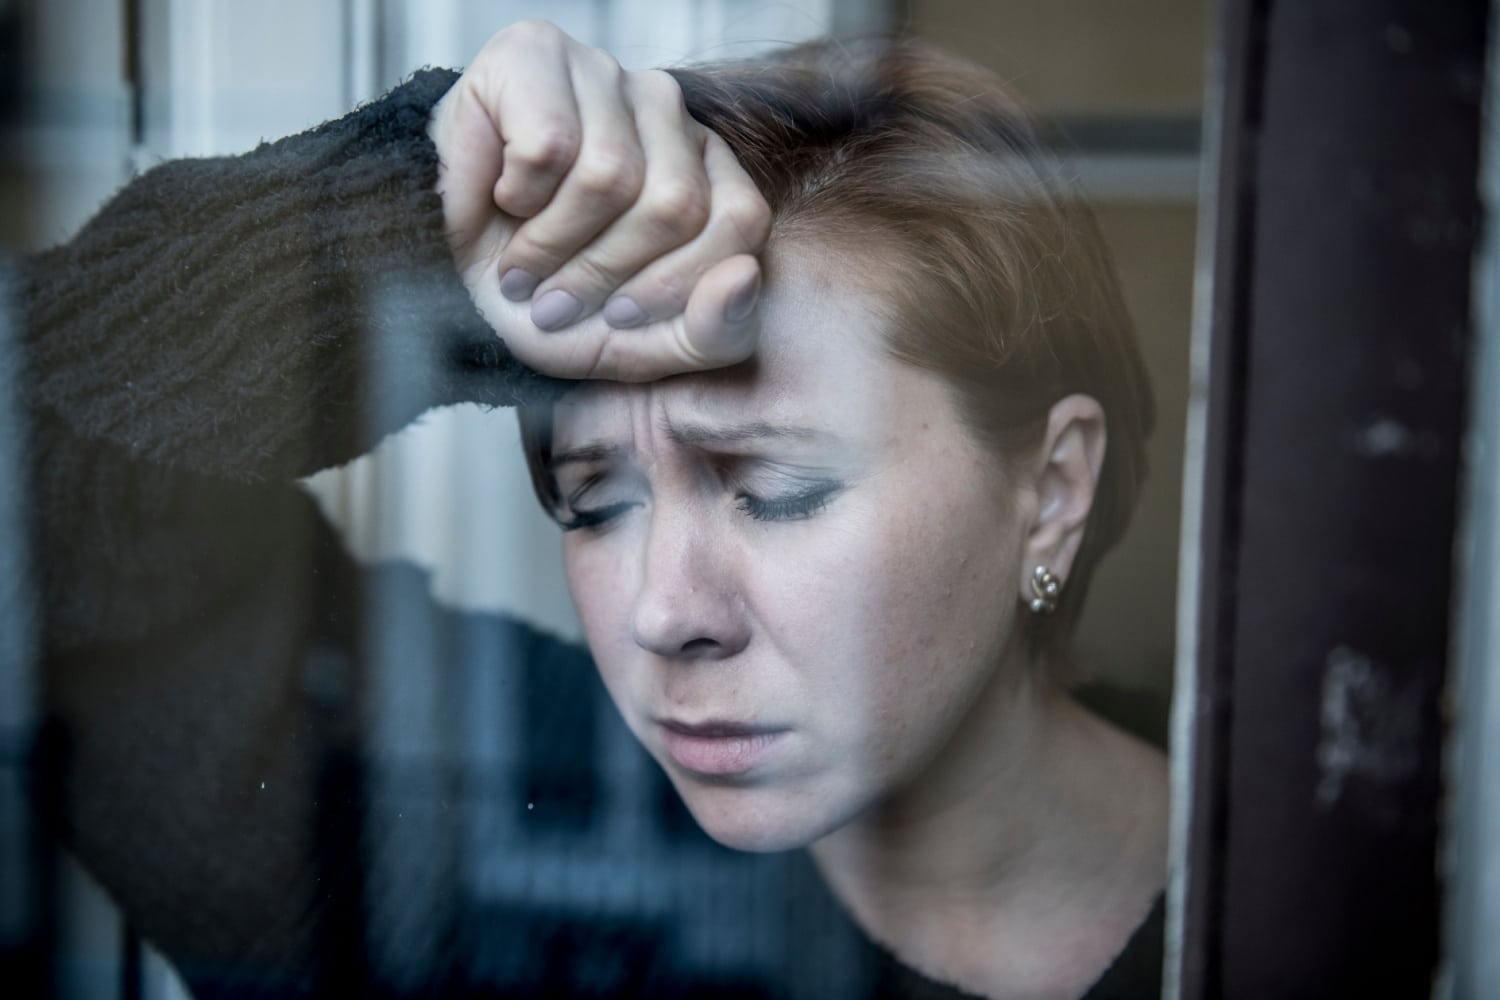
x=689, y=605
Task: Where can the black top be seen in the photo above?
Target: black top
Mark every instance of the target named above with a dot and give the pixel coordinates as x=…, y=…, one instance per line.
x=1135, y=973
x=296, y=775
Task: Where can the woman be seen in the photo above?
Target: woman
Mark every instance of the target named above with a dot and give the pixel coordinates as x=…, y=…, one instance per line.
x=830, y=590
x=225, y=327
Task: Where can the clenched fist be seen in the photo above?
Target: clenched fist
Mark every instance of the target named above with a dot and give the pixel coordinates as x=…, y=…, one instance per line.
x=601, y=230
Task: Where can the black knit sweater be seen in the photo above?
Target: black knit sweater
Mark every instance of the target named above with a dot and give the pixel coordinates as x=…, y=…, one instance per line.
x=222, y=328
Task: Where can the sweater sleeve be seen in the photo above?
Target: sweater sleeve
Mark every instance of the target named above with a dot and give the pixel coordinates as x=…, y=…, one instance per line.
x=264, y=316
x=221, y=328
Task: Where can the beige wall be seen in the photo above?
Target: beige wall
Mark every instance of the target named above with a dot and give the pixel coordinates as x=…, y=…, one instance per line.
x=1129, y=625
x=1079, y=56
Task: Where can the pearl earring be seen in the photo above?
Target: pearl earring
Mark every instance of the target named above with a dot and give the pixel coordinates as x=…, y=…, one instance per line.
x=1044, y=590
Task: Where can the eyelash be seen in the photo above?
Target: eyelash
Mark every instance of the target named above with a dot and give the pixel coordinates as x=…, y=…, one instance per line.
x=792, y=508
x=796, y=507
x=586, y=520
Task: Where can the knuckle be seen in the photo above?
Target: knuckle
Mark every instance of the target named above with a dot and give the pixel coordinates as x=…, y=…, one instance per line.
x=532, y=31
x=749, y=215
x=610, y=174
x=680, y=207
x=550, y=150
x=609, y=67
x=670, y=286
x=538, y=253
x=659, y=87
x=588, y=272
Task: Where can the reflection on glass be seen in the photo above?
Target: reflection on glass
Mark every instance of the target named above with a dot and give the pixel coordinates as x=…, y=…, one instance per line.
x=831, y=593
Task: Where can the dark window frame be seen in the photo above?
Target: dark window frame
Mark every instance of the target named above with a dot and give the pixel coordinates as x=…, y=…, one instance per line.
x=1340, y=334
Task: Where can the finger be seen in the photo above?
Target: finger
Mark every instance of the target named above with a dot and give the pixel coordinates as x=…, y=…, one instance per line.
x=672, y=208
x=719, y=327
x=522, y=80
x=469, y=153
x=739, y=222
x=603, y=183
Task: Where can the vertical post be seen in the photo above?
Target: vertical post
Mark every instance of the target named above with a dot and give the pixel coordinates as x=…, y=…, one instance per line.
x=27, y=913
x=1471, y=962
x=26, y=905
x=1337, y=369
x=1211, y=476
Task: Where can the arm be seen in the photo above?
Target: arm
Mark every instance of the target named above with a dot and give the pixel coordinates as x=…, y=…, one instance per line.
x=220, y=329
x=250, y=320
x=223, y=327
x=231, y=307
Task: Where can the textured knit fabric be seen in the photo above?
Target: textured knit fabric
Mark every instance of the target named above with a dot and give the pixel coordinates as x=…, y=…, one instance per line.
x=227, y=755
x=222, y=327
x=234, y=321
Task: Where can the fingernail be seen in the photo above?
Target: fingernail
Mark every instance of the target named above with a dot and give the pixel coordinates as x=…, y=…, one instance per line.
x=742, y=303
x=517, y=285
x=556, y=308
x=622, y=311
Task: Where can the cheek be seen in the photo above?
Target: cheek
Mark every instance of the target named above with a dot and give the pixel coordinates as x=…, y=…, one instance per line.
x=600, y=582
x=894, y=611
x=943, y=623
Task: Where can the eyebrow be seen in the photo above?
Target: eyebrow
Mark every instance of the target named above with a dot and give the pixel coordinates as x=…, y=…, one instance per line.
x=756, y=430
x=584, y=454
x=696, y=435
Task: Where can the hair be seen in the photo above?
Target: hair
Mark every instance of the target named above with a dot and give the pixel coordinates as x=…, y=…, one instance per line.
x=992, y=267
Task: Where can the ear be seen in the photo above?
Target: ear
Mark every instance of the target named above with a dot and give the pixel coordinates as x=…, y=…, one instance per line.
x=1067, y=475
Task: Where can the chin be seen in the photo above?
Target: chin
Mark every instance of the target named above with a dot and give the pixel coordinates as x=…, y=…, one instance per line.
x=756, y=819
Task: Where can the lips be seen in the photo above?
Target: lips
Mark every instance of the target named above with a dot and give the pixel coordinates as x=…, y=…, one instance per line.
x=717, y=748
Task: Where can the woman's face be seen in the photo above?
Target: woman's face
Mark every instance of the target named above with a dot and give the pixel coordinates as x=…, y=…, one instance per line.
x=797, y=577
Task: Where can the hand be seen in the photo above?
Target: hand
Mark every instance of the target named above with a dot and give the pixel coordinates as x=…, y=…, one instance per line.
x=584, y=199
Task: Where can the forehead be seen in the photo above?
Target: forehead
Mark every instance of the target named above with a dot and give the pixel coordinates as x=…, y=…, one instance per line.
x=821, y=359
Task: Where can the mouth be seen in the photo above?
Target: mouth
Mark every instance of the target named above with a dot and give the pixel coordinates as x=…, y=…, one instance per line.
x=718, y=748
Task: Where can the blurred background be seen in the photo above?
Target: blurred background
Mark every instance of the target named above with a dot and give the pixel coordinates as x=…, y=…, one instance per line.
x=112, y=87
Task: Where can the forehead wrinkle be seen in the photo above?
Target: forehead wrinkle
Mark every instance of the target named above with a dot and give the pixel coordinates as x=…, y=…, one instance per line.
x=693, y=433
x=748, y=401
x=819, y=337
x=689, y=434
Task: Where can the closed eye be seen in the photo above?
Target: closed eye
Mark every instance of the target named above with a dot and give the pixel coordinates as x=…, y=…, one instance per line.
x=601, y=499
x=788, y=507
x=597, y=518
